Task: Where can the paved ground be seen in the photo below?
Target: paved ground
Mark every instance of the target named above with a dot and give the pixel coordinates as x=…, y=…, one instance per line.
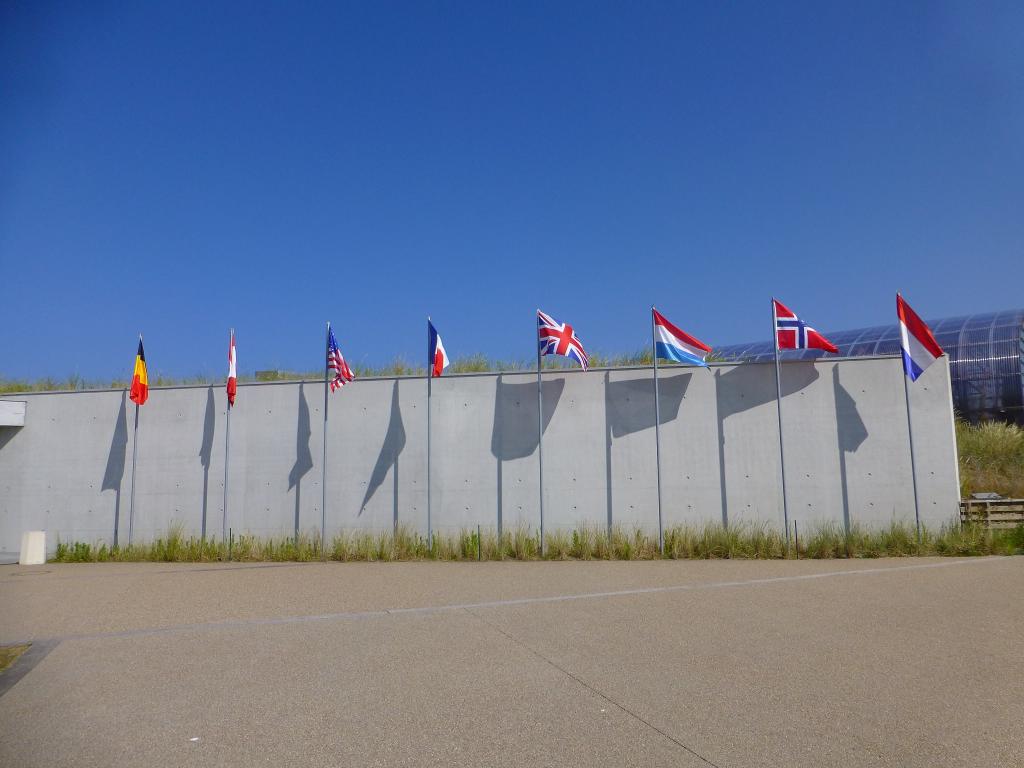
x=890, y=662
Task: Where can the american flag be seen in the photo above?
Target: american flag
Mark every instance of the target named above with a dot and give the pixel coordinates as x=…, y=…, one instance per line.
x=336, y=362
x=560, y=339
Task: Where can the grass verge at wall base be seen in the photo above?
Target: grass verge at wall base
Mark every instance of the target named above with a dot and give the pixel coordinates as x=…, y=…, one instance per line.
x=708, y=542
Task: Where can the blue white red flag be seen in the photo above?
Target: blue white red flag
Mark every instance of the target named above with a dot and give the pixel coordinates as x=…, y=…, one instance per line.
x=793, y=333
x=557, y=338
x=437, y=359
x=917, y=343
x=336, y=362
x=671, y=343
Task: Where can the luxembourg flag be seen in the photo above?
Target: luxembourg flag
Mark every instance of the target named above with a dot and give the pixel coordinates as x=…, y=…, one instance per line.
x=437, y=359
x=671, y=343
x=917, y=343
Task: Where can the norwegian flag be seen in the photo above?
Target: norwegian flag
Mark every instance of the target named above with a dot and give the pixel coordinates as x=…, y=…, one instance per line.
x=336, y=362
x=232, y=370
x=560, y=339
x=793, y=333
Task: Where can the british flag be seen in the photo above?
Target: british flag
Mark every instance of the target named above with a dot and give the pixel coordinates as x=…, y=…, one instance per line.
x=793, y=333
x=336, y=362
x=557, y=338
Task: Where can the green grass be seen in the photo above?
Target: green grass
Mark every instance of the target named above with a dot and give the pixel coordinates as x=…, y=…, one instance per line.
x=991, y=458
x=708, y=542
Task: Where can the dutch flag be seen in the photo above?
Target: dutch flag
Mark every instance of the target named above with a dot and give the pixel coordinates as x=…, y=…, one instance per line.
x=917, y=343
x=671, y=343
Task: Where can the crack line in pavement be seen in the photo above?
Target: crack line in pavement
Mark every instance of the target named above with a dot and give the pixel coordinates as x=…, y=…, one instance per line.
x=589, y=687
x=430, y=609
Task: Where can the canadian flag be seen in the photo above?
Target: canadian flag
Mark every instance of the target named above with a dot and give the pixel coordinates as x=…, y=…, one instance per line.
x=232, y=372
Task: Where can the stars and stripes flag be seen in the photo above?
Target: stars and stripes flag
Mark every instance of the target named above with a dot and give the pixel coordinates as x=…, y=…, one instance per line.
x=437, y=358
x=232, y=370
x=140, y=377
x=917, y=343
x=793, y=333
x=336, y=362
x=672, y=343
x=560, y=339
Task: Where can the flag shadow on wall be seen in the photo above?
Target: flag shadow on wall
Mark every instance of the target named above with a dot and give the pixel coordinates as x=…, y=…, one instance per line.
x=514, y=434
x=851, y=432
x=629, y=408
x=303, y=455
x=206, y=449
x=733, y=395
x=113, y=474
x=387, y=459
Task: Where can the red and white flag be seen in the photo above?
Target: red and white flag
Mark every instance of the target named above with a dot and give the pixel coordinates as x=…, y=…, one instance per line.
x=232, y=372
x=793, y=333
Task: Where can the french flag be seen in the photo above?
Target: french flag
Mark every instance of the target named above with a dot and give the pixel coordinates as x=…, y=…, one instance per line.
x=671, y=343
x=437, y=359
x=917, y=343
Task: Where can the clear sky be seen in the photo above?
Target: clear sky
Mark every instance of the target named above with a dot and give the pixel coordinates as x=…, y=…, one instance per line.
x=179, y=168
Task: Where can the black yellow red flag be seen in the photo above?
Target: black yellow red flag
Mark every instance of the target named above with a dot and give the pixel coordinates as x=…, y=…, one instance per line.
x=140, y=379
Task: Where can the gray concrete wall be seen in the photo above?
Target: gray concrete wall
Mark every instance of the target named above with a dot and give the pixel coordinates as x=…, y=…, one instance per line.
x=68, y=469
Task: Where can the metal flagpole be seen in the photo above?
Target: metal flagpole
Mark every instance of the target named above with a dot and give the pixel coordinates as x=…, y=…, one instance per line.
x=323, y=466
x=913, y=463
x=430, y=376
x=778, y=402
x=227, y=453
x=135, y=451
x=657, y=433
x=540, y=441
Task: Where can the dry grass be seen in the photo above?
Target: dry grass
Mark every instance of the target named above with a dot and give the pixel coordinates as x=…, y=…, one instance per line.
x=991, y=458
x=10, y=653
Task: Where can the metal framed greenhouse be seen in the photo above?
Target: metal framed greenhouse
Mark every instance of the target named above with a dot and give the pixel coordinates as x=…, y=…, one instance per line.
x=986, y=356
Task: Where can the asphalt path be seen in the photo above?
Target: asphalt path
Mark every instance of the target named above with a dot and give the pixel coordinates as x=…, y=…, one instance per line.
x=910, y=662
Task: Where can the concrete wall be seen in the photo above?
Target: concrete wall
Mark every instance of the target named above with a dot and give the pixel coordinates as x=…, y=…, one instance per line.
x=68, y=470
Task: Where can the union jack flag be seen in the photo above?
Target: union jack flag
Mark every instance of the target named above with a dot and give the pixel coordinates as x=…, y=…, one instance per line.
x=793, y=333
x=560, y=339
x=336, y=362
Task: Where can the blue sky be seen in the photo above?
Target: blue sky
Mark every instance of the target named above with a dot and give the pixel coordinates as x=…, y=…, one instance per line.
x=179, y=168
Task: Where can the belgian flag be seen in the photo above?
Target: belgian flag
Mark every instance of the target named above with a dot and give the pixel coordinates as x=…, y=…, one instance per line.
x=140, y=379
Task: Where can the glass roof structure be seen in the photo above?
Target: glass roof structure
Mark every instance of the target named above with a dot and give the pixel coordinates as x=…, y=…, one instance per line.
x=986, y=357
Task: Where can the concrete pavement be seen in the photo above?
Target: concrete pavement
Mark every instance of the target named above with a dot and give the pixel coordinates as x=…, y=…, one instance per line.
x=888, y=662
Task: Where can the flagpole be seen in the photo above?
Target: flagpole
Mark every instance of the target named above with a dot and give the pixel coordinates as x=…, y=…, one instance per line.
x=913, y=463
x=430, y=376
x=227, y=451
x=135, y=450
x=540, y=443
x=323, y=466
x=778, y=402
x=657, y=433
